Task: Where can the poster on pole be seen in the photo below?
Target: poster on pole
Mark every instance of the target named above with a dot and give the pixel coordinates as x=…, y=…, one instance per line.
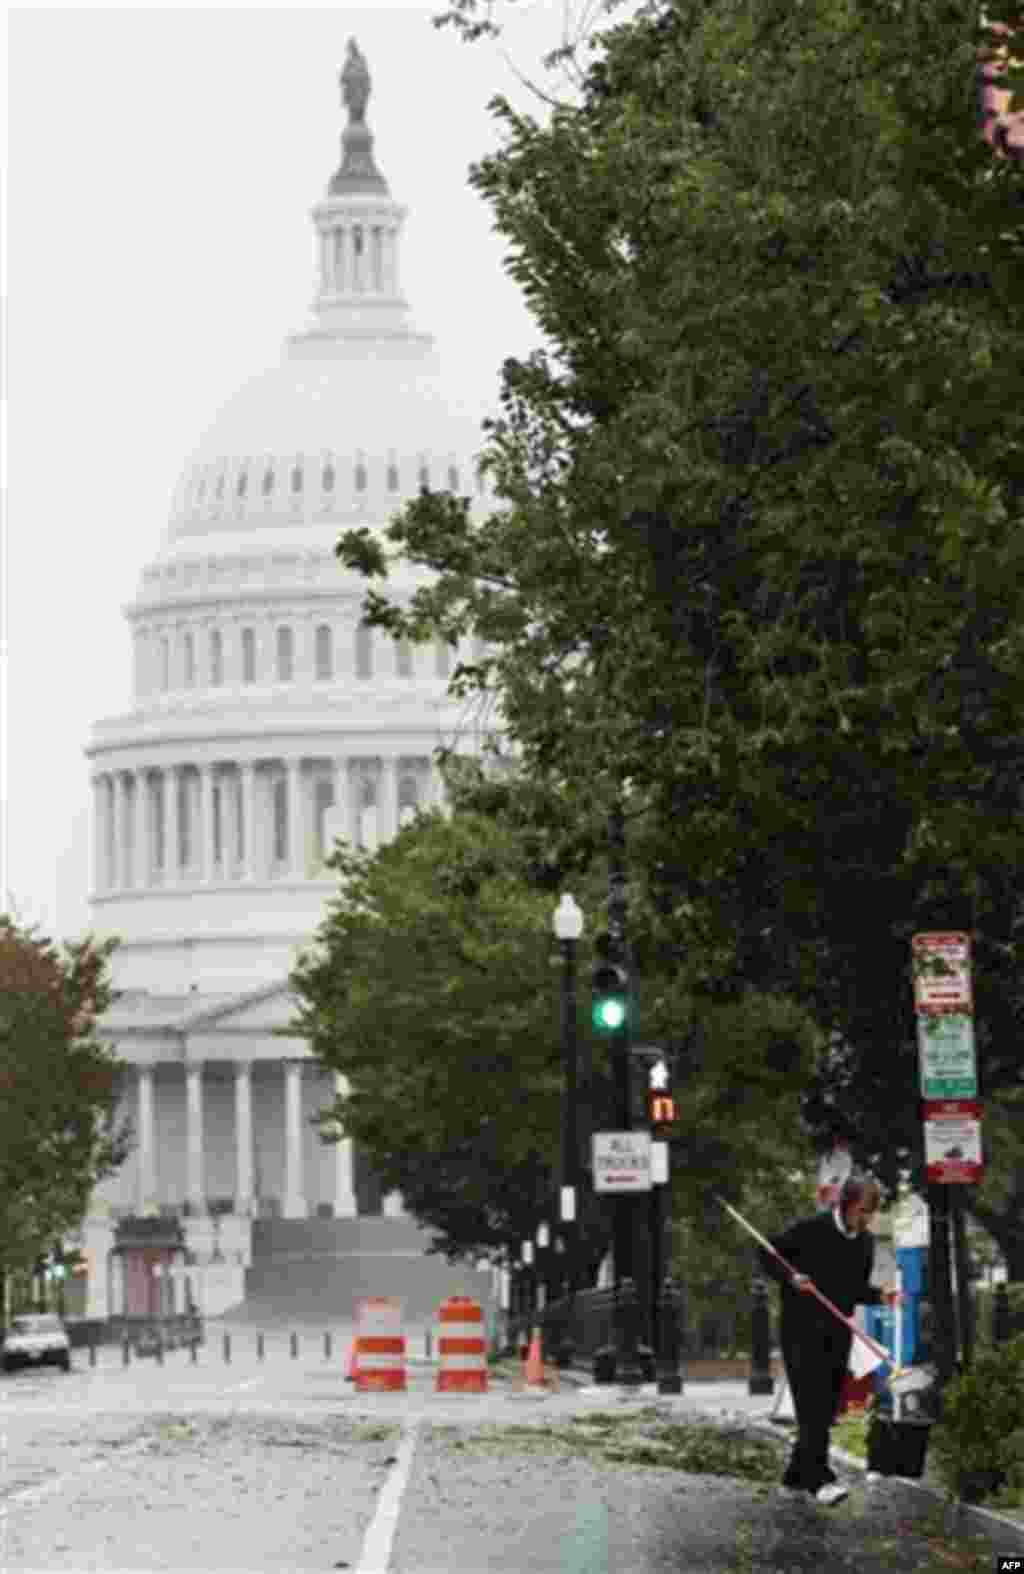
x=946, y=1058
x=942, y=972
x=833, y=1169
x=911, y=1223
x=1001, y=125
x=952, y=1141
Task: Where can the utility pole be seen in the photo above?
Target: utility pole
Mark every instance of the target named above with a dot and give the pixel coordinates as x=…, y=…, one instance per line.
x=628, y=1214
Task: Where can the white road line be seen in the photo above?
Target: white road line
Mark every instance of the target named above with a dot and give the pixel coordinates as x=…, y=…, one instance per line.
x=376, y=1553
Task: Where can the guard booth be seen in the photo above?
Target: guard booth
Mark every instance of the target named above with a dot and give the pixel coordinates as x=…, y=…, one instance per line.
x=151, y=1289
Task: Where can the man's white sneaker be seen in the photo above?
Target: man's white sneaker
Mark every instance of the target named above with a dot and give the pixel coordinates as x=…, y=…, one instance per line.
x=830, y=1493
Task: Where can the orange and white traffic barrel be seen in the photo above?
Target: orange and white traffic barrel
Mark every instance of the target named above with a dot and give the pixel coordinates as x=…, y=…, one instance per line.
x=461, y=1348
x=380, y=1346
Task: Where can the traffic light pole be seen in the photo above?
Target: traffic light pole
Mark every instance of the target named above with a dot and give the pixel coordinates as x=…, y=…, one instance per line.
x=628, y=1217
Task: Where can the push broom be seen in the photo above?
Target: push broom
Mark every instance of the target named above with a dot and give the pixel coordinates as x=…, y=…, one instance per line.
x=900, y=1379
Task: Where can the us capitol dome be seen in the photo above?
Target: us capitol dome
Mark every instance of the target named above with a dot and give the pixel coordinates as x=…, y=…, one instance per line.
x=265, y=722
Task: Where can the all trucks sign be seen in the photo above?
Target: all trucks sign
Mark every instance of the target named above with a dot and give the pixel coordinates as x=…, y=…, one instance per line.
x=622, y=1160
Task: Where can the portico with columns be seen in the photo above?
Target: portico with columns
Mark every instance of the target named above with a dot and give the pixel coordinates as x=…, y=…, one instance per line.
x=223, y=1109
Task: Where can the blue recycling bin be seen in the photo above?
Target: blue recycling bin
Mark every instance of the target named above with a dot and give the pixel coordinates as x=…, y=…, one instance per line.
x=912, y=1262
x=880, y=1321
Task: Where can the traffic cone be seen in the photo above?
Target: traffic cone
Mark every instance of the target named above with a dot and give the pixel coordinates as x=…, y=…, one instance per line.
x=350, y=1364
x=534, y=1363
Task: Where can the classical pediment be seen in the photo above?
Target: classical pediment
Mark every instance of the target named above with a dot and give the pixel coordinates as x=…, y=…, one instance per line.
x=254, y=1011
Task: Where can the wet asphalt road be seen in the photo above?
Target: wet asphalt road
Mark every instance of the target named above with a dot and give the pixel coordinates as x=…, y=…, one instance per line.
x=272, y=1466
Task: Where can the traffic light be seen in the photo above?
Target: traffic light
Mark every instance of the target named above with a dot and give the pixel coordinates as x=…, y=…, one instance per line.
x=609, y=983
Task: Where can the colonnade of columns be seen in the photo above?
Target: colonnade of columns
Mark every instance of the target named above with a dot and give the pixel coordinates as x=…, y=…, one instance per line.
x=245, y=820
x=359, y=257
x=293, y=1201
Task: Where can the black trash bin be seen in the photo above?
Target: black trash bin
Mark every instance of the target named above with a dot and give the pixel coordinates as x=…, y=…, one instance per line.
x=898, y=1448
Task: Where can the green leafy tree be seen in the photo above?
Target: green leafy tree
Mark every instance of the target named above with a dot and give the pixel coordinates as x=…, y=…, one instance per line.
x=58, y=1090
x=435, y=987
x=758, y=564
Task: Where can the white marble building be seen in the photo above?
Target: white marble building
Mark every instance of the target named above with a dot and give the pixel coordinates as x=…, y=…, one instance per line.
x=264, y=722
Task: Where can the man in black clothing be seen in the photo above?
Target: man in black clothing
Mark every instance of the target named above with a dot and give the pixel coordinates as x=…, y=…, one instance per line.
x=836, y=1251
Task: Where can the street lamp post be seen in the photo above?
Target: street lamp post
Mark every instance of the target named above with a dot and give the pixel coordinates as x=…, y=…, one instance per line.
x=526, y=1258
x=543, y=1240
x=568, y=926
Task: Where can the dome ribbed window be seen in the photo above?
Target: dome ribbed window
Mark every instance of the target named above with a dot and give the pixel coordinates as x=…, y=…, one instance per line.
x=324, y=653
x=364, y=651
x=392, y=478
x=453, y=479
x=328, y=478
x=268, y=483
x=284, y=655
x=424, y=476
x=243, y=482
x=220, y=487
x=216, y=657
x=280, y=819
x=360, y=477
x=248, y=656
x=190, y=661
x=297, y=478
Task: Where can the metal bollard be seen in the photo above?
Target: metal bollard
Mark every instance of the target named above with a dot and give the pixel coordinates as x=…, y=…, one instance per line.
x=194, y=1347
x=259, y=1347
x=670, y=1380
x=295, y=1345
x=327, y=1347
x=627, y=1328
x=92, y=1352
x=160, y=1350
x=227, y=1348
x=427, y=1344
x=761, y=1381
x=126, y=1354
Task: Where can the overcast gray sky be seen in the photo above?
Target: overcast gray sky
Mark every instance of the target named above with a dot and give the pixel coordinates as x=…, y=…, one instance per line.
x=161, y=168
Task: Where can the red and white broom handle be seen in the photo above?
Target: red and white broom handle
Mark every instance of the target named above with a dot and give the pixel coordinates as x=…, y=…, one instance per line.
x=876, y=1349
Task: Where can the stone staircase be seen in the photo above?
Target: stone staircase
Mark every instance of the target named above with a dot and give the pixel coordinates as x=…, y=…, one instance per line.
x=313, y=1270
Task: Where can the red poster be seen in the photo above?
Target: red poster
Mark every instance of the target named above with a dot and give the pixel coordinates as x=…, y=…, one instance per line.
x=1000, y=127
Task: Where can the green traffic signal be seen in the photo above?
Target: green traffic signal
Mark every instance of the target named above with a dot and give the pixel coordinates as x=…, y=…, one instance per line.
x=609, y=996
x=609, y=1013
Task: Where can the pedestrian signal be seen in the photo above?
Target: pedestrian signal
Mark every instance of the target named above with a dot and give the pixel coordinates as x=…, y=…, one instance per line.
x=661, y=1108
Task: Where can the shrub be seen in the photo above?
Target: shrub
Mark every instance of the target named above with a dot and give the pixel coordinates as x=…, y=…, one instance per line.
x=981, y=1435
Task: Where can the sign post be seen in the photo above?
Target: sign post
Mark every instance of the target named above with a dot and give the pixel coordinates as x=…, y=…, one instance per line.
x=948, y=1072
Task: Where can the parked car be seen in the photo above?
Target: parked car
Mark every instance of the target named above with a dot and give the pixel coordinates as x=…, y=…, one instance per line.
x=36, y=1339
